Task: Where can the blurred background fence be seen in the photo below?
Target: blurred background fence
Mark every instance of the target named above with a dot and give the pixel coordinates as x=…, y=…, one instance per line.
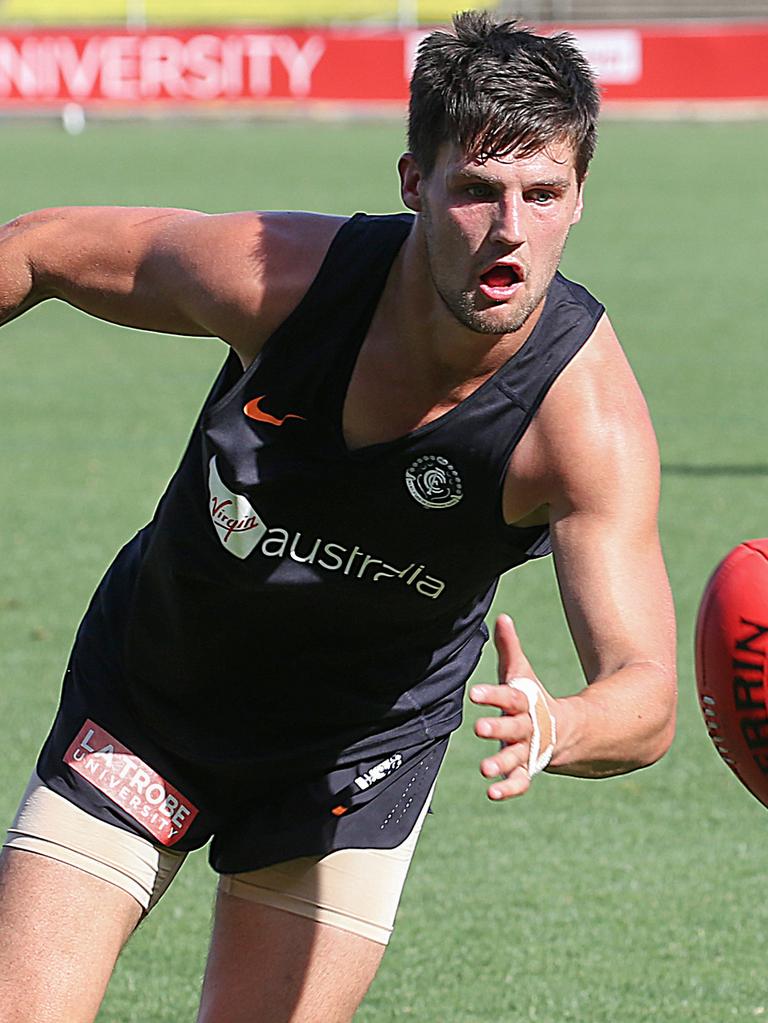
x=156, y=56
x=256, y=12
x=323, y=12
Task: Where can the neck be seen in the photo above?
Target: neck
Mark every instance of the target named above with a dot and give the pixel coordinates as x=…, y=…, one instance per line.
x=428, y=334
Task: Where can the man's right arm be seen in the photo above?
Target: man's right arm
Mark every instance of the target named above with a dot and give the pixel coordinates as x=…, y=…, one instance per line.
x=234, y=276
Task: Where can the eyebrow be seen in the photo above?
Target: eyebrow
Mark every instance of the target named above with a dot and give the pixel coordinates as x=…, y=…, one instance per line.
x=493, y=179
x=552, y=183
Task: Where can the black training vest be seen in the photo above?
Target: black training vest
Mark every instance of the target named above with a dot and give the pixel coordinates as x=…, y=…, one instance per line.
x=294, y=599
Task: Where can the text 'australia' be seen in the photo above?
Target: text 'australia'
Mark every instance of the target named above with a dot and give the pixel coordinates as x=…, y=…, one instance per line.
x=241, y=531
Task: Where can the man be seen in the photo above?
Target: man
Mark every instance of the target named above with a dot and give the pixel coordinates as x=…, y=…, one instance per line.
x=411, y=405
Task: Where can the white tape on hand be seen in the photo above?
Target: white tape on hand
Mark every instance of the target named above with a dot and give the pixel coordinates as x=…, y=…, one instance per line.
x=544, y=725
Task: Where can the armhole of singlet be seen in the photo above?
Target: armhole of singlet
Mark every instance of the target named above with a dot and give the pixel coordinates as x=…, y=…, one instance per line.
x=352, y=232
x=300, y=311
x=540, y=545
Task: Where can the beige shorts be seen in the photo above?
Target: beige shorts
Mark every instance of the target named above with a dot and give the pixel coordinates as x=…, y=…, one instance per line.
x=356, y=890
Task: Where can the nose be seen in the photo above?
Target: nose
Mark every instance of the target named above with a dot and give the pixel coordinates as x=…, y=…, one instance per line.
x=508, y=228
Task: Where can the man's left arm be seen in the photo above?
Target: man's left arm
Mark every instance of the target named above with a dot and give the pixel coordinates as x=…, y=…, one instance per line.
x=603, y=501
x=618, y=604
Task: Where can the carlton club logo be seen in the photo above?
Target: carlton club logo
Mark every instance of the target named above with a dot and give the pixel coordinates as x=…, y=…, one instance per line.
x=434, y=482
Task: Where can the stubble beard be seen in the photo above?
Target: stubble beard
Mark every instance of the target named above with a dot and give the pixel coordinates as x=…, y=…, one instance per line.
x=462, y=305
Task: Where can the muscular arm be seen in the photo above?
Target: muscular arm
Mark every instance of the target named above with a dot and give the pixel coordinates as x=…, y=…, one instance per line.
x=618, y=604
x=592, y=457
x=234, y=276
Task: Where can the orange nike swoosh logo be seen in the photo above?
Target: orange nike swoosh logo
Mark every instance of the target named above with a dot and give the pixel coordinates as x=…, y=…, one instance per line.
x=253, y=411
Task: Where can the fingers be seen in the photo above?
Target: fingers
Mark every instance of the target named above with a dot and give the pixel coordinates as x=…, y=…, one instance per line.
x=509, y=764
x=503, y=763
x=508, y=700
x=525, y=718
x=508, y=730
x=512, y=659
x=516, y=783
x=513, y=731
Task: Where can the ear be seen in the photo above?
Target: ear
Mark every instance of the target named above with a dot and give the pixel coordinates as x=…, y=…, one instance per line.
x=411, y=182
x=579, y=203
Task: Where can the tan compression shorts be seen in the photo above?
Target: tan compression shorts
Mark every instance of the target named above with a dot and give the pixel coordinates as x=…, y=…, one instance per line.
x=356, y=890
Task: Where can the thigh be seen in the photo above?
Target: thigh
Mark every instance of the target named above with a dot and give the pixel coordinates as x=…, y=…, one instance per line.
x=72, y=889
x=301, y=941
x=267, y=965
x=61, y=930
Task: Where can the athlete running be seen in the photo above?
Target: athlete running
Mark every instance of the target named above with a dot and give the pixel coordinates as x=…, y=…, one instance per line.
x=412, y=405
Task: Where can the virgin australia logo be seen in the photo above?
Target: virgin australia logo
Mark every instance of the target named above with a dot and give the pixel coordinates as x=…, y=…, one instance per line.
x=242, y=531
x=434, y=482
x=233, y=515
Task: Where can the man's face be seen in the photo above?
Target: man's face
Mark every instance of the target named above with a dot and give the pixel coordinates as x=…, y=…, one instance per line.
x=494, y=232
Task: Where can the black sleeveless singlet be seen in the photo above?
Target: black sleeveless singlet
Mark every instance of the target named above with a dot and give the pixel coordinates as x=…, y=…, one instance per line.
x=290, y=594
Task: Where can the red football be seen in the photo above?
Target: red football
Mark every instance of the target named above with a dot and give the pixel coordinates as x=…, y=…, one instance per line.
x=731, y=647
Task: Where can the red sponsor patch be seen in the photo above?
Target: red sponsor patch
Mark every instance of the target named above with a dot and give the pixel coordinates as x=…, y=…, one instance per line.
x=130, y=783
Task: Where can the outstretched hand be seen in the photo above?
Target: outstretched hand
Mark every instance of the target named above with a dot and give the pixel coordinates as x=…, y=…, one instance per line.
x=512, y=764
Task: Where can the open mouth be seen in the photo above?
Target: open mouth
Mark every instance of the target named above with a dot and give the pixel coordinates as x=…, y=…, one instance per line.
x=502, y=275
x=500, y=281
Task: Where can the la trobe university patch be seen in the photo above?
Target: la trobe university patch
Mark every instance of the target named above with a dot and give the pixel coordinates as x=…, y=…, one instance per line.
x=434, y=482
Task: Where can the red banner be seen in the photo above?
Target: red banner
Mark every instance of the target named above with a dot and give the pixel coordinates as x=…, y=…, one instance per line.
x=683, y=62
x=106, y=68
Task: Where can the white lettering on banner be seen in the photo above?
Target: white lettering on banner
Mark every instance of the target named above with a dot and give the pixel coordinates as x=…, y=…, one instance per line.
x=299, y=61
x=120, y=68
x=17, y=71
x=258, y=52
x=232, y=67
x=79, y=72
x=156, y=67
x=616, y=55
x=162, y=67
x=47, y=70
x=204, y=61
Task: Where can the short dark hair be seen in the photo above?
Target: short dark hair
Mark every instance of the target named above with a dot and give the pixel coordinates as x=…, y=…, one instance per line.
x=496, y=89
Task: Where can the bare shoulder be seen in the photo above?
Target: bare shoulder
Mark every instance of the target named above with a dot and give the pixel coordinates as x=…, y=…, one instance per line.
x=596, y=405
x=251, y=269
x=592, y=443
x=231, y=275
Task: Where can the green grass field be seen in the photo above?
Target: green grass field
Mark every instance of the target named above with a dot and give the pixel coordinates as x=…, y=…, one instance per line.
x=624, y=901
